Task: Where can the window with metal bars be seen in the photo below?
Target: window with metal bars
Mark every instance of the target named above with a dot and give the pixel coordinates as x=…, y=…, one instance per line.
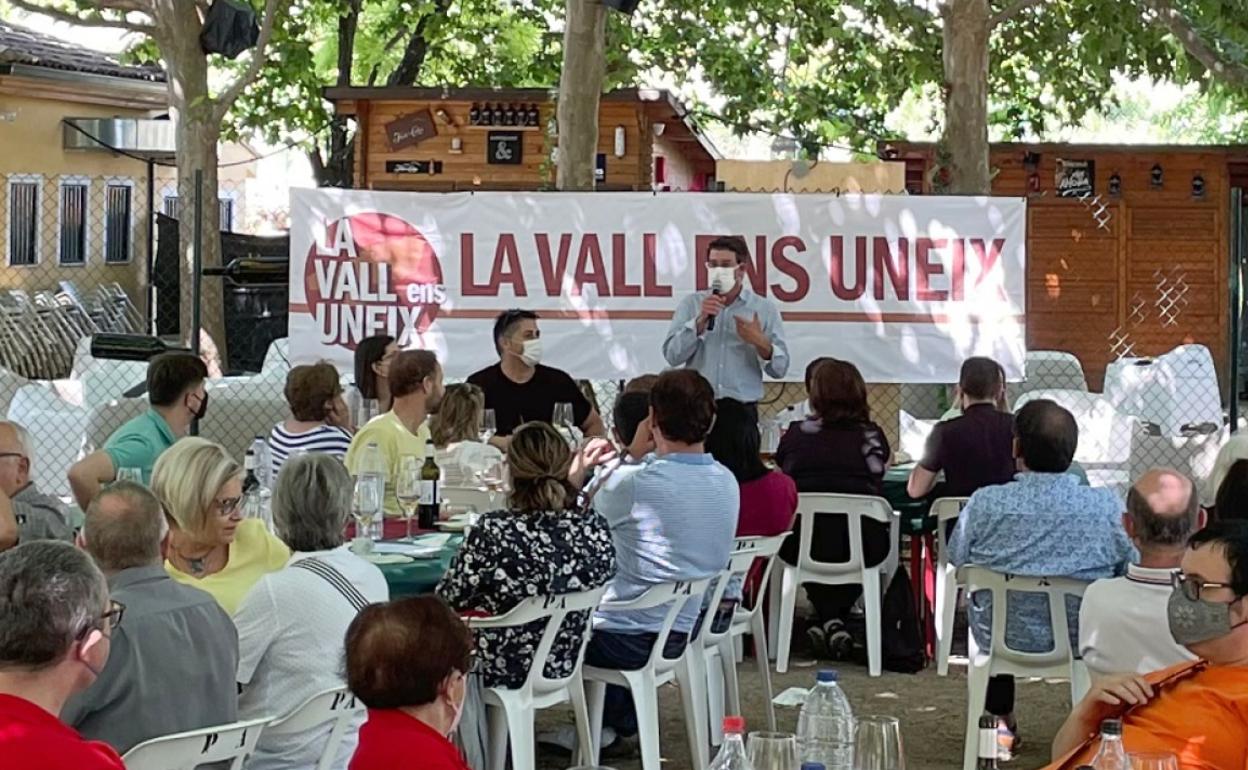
x=117, y=220
x=171, y=206
x=73, y=224
x=23, y=223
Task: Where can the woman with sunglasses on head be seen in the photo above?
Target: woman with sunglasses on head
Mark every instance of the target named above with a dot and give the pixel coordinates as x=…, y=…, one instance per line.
x=211, y=546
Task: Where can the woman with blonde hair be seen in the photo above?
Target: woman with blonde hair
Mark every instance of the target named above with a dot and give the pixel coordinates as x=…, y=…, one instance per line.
x=456, y=430
x=543, y=545
x=211, y=546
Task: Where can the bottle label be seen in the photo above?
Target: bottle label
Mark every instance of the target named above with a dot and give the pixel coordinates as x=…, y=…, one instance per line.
x=988, y=744
x=429, y=493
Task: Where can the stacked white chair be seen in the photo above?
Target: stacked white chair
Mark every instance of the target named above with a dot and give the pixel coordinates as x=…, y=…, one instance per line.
x=720, y=646
x=644, y=682
x=855, y=508
x=231, y=743
x=335, y=705
x=945, y=510
x=1000, y=659
x=510, y=712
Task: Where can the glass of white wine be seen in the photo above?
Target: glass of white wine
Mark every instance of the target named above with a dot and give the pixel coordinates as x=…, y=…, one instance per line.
x=489, y=426
x=365, y=505
x=407, y=490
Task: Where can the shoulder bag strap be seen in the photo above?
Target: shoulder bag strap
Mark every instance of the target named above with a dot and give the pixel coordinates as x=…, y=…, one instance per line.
x=335, y=579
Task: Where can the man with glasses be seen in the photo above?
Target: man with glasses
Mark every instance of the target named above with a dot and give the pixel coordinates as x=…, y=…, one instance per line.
x=519, y=388
x=37, y=516
x=56, y=621
x=1196, y=711
x=730, y=334
x=172, y=666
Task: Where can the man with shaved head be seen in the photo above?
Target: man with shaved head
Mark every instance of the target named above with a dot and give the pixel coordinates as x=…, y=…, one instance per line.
x=37, y=516
x=1122, y=623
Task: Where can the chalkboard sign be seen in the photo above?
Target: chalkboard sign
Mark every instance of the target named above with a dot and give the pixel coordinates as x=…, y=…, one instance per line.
x=410, y=129
x=505, y=148
x=1075, y=178
x=413, y=167
x=600, y=167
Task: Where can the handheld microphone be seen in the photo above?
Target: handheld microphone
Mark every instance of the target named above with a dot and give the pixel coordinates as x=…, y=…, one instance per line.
x=710, y=322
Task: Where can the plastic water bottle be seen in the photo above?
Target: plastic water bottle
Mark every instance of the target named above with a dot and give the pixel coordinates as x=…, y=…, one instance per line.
x=825, y=726
x=264, y=461
x=732, y=754
x=1112, y=755
x=372, y=466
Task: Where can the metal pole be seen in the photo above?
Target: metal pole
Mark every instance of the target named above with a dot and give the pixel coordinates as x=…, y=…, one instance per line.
x=151, y=246
x=1238, y=246
x=197, y=263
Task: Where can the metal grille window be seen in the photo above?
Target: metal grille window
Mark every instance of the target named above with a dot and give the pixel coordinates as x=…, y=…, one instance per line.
x=227, y=215
x=73, y=224
x=23, y=223
x=117, y=218
x=171, y=206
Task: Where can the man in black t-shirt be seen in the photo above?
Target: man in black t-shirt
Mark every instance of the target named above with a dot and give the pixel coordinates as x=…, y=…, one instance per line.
x=519, y=389
x=974, y=450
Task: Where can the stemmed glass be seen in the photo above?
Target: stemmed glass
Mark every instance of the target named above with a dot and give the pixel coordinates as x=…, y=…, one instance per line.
x=488, y=426
x=1154, y=762
x=772, y=751
x=562, y=420
x=877, y=744
x=365, y=504
x=407, y=490
x=130, y=474
x=492, y=477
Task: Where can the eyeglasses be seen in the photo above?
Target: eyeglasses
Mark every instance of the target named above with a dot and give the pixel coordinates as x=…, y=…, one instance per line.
x=111, y=619
x=1193, y=586
x=10, y=454
x=228, y=506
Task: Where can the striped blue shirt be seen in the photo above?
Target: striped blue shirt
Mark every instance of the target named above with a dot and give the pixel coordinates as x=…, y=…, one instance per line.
x=324, y=439
x=672, y=517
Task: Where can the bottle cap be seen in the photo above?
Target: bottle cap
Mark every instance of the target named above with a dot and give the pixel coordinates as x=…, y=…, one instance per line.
x=813, y=766
x=826, y=675
x=734, y=724
x=988, y=722
x=1111, y=727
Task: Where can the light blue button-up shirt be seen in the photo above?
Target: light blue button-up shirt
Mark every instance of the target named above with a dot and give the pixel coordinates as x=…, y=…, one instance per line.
x=731, y=365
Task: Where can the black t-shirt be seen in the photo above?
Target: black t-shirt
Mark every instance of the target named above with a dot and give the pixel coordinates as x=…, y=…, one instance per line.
x=974, y=450
x=515, y=403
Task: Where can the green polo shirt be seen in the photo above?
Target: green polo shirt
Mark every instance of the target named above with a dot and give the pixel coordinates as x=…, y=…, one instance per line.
x=139, y=442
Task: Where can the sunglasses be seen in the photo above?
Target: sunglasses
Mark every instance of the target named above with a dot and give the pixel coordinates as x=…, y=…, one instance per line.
x=1192, y=587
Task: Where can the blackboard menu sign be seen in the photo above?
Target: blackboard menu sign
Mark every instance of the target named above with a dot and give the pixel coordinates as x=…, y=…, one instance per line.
x=600, y=167
x=505, y=148
x=1075, y=178
x=410, y=129
x=413, y=167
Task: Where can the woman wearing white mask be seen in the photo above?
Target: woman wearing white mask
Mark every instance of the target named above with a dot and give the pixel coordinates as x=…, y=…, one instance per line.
x=408, y=662
x=520, y=389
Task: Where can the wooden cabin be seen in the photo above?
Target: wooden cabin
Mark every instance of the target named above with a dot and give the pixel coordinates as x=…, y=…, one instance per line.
x=1128, y=247
x=448, y=139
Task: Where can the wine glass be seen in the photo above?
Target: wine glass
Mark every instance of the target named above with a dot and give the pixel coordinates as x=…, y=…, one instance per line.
x=365, y=504
x=493, y=480
x=407, y=489
x=772, y=751
x=1154, y=762
x=877, y=744
x=563, y=415
x=130, y=474
x=488, y=426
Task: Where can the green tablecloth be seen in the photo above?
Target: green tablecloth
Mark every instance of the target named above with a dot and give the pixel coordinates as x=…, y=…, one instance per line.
x=419, y=576
x=914, y=518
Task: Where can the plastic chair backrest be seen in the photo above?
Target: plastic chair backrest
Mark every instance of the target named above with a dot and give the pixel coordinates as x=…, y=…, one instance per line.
x=553, y=609
x=745, y=551
x=677, y=595
x=337, y=705
x=1057, y=589
x=473, y=497
x=945, y=510
x=855, y=508
x=186, y=751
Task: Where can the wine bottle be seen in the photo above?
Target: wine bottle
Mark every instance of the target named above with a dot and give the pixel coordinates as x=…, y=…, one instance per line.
x=487, y=115
x=129, y=347
x=430, y=489
x=509, y=115
x=533, y=118
x=474, y=114
x=251, y=479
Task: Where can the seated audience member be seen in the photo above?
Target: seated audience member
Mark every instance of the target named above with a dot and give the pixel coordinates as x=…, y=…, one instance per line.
x=55, y=623
x=671, y=518
x=373, y=357
x=631, y=429
x=408, y=662
x=1197, y=711
x=837, y=450
x=319, y=421
x=542, y=545
x=175, y=390
x=975, y=449
x=1231, y=501
x=416, y=387
x=211, y=546
x=1235, y=448
x=34, y=515
x=958, y=402
x=456, y=430
x=1121, y=620
x=520, y=389
x=292, y=623
x=642, y=383
x=171, y=666
x=1041, y=524
x=802, y=409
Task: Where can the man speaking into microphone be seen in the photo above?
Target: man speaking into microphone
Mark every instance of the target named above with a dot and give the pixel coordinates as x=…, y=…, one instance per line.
x=729, y=334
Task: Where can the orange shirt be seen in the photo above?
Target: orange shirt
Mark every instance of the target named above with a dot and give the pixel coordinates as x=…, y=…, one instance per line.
x=1201, y=718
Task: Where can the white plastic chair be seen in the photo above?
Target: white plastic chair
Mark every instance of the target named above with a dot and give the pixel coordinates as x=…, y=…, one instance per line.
x=722, y=684
x=510, y=713
x=644, y=682
x=474, y=497
x=945, y=510
x=852, y=572
x=1000, y=659
x=231, y=743
x=335, y=705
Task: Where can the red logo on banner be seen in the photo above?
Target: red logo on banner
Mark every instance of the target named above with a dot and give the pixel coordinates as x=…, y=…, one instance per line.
x=372, y=274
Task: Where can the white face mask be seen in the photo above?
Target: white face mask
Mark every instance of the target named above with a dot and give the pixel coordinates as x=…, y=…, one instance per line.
x=722, y=278
x=458, y=709
x=532, y=354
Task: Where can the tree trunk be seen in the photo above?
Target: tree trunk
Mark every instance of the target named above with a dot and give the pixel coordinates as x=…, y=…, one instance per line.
x=580, y=87
x=964, y=140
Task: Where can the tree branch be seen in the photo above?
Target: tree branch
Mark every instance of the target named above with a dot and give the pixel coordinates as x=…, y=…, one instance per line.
x=417, y=49
x=258, y=59
x=1005, y=14
x=1231, y=72
x=95, y=19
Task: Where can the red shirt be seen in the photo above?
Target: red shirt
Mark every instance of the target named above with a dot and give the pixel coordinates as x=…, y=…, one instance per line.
x=394, y=740
x=32, y=738
x=768, y=504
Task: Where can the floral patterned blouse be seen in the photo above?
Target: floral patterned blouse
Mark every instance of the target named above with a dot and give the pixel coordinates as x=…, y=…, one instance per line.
x=511, y=556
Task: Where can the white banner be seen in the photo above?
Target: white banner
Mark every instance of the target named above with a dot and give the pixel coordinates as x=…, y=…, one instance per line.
x=904, y=287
